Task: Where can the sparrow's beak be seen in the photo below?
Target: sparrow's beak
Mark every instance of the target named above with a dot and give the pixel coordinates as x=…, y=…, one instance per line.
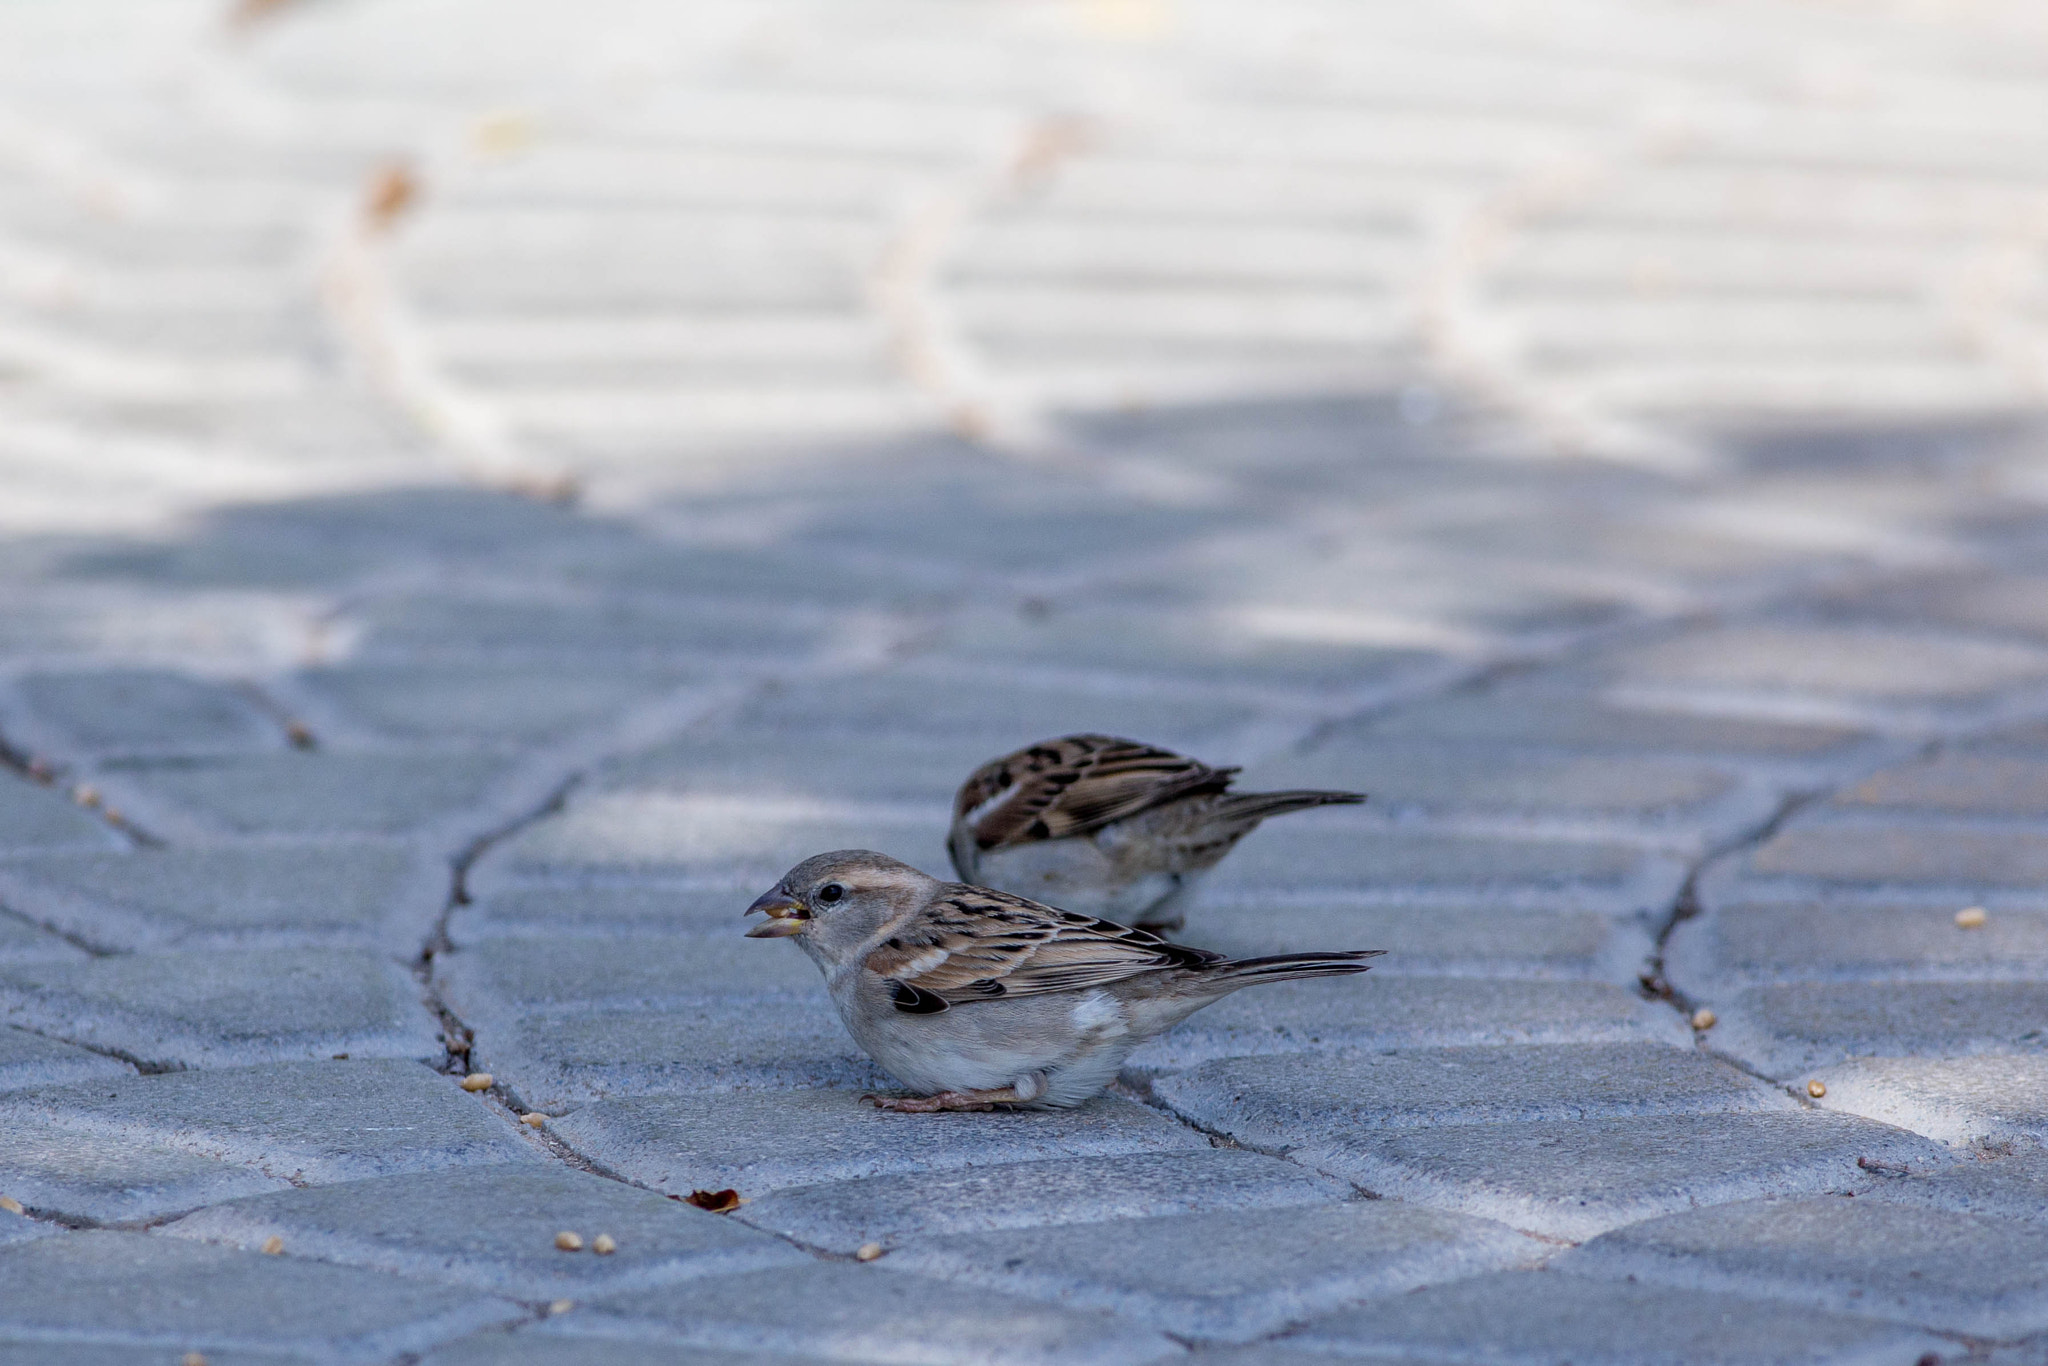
x=786, y=916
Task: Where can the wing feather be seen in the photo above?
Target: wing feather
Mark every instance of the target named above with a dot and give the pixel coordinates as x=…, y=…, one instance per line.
x=973, y=943
x=1075, y=786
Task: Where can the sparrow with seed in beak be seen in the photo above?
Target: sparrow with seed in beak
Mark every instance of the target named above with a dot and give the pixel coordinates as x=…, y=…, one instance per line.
x=1110, y=827
x=975, y=998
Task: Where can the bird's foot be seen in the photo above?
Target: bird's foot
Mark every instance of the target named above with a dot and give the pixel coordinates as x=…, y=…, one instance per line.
x=945, y=1100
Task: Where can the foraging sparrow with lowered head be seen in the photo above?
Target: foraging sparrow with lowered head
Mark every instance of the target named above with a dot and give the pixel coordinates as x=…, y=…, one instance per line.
x=976, y=998
x=1107, y=826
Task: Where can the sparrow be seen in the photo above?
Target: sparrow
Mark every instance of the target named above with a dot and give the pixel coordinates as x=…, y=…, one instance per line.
x=975, y=998
x=1106, y=826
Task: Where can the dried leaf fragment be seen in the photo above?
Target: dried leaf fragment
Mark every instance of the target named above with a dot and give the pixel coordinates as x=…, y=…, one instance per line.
x=718, y=1202
x=604, y=1245
x=1704, y=1019
x=273, y=1246
x=569, y=1242
x=1971, y=918
x=1816, y=1088
x=478, y=1081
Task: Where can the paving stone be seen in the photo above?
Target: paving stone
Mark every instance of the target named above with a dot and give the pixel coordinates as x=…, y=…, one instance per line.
x=1376, y=1014
x=527, y=1348
x=503, y=976
x=175, y=1296
x=362, y=894
x=1578, y=1178
x=554, y=1061
x=758, y=1141
x=1675, y=797
x=840, y=1216
x=845, y=1312
x=1541, y=1317
x=31, y=1060
x=1963, y=783
x=19, y=1228
x=1749, y=943
x=762, y=762
x=1283, y=1103
x=1855, y=666
x=1308, y=859
x=111, y=1177
x=1561, y=718
x=35, y=817
x=1959, y=1272
x=600, y=912
x=2010, y=1185
x=1228, y=1276
x=458, y=629
x=1425, y=940
x=1790, y=1029
x=148, y=710
x=214, y=1010
x=313, y=1123
x=1986, y=1100
x=103, y=1354
x=655, y=834
x=1918, y=854
x=299, y=793
x=494, y=1228
x=529, y=703
x=20, y=940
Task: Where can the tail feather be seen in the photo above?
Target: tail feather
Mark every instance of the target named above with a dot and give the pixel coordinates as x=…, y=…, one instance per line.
x=1287, y=967
x=1253, y=807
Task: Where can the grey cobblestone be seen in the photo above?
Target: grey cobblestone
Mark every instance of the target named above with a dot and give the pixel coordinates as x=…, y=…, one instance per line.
x=846, y=1312
x=494, y=1228
x=31, y=1060
x=757, y=1141
x=2013, y=1186
x=1230, y=1276
x=33, y=817
x=1986, y=1100
x=174, y=1296
x=543, y=1349
x=841, y=1216
x=149, y=711
x=1791, y=1028
x=1428, y=940
x=1546, y=1317
x=1960, y=1272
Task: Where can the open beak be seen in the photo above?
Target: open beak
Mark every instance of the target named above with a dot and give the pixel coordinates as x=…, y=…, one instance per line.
x=786, y=916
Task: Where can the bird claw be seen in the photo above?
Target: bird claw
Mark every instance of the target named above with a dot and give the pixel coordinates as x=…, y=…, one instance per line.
x=926, y=1105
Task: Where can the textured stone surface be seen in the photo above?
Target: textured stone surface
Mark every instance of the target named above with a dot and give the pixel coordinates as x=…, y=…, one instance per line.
x=1802, y=941
x=1987, y=1100
x=1577, y=1179
x=1439, y=941
x=211, y=1010
x=294, y=793
x=1268, y=1102
x=864, y=1313
x=1786, y=1029
x=841, y=1216
x=172, y=1296
x=1547, y=1317
x=126, y=710
x=31, y=1060
x=527, y=1348
x=762, y=1141
x=67, y=1172
x=1960, y=1272
x=494, y=1228
x=33, y=817
x=1228, y=1276
x=2009, y=1186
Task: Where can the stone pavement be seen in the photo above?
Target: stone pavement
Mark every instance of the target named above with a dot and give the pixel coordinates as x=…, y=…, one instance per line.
x=487, y=486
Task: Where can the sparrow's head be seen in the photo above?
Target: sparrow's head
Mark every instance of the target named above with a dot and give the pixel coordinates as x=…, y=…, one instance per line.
x=837, y=901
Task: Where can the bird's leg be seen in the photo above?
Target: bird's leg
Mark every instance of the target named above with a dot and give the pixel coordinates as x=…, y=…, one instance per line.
x=1020, y=1092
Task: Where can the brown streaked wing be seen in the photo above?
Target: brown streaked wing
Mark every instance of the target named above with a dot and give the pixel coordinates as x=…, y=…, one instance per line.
x=1075, y=786
x=974, y=944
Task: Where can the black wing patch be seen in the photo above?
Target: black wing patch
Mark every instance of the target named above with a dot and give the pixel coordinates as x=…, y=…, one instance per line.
x=917, y=1001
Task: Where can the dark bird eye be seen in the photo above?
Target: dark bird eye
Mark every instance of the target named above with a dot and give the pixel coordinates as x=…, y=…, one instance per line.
x=831, y=892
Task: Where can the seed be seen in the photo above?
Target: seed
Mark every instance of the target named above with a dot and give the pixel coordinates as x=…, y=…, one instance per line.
x=604, y=1245
x=478, y=1081
x=1703, y=1018
x=569, y=1242
x=10, y=1204
x=273, y=1245
x=867, y=1252
x=1816, y=1088
x=1972, y=918
x=561, y=1306
x=85, y=794
x=535, y=1120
